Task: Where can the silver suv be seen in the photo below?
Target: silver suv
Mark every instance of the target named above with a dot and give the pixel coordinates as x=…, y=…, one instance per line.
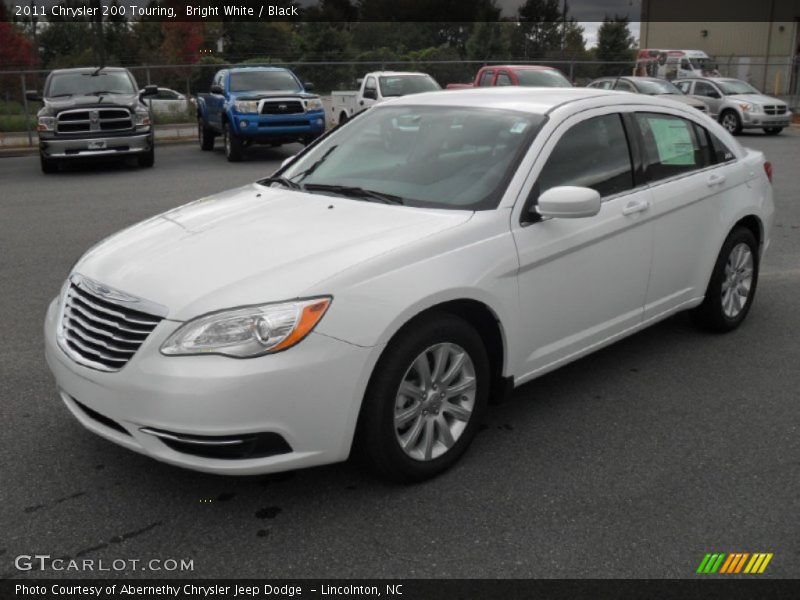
x=738, y=105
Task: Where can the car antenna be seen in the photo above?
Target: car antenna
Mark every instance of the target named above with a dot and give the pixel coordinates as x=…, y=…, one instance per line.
x=97, y=71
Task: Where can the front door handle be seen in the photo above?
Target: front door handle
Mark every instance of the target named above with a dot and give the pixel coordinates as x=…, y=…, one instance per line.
x=635, y=206
x=715, y=180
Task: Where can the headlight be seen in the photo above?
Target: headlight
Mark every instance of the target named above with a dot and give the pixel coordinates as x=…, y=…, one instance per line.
x=46, y=124
x=246, y=106
x=748, y=107
x=314, y=104
x=141, y=118
x=250, y=331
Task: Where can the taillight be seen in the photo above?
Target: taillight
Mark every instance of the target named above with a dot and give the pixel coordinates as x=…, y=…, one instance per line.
x=768, y=170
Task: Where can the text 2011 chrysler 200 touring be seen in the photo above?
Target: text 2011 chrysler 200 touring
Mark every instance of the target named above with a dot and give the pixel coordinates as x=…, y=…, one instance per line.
x=381, y=286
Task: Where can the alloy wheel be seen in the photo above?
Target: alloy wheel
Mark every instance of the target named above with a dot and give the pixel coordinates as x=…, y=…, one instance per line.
x=435, y=401
x=738, y=280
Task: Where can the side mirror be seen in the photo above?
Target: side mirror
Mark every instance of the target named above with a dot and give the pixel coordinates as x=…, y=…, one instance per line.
x=714, y=94
x=150, y=90
x=309, y=87
x=288, y=160
x=217, y=89
x=370, y=93
x=569, y=202
x=32, y=95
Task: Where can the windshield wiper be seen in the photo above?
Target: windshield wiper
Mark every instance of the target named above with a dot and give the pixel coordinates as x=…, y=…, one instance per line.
x=314, y=167
x=100, y=93
x=355, y=192
x=60, y=95
x=283, y=181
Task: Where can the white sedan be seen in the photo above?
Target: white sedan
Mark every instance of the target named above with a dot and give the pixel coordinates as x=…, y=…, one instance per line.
x=377, y=291
x=168, y=102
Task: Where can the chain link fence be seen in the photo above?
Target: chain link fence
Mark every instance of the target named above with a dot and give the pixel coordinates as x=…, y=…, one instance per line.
x=18, y=123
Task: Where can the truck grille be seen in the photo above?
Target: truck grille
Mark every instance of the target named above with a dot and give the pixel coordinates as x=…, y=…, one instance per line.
x=99, y=333
x=775, y=110
x=282, y=107
x=94, y=120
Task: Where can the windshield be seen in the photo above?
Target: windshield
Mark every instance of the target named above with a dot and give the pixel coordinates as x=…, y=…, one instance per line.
x=403, y=85
x=429, y=156
x=545, y=78
x=263, y=81
x=77, y=84
x=656, y=87
x=730, y=87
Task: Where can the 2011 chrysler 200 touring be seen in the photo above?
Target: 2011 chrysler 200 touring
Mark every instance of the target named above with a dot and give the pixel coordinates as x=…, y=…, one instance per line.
x=381, y=286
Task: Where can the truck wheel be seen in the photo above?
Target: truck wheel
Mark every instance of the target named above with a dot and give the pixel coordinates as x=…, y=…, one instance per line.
x=233, y=144
x=148, y=159
x=343, y=118
x=731, y=121
x=48, y=165
x=205, y=136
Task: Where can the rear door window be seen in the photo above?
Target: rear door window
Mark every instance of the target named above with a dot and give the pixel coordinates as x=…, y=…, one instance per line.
x=486, y=78
x=503, y=79
x=671, y=146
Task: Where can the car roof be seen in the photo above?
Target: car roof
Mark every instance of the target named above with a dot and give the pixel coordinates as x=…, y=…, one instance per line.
x=534, y=100
x=256, y=68
x=523, y=67
x=394, y=73
x=88, y=70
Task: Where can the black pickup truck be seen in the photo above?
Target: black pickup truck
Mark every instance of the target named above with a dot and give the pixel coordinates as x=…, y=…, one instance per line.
x=93, y=112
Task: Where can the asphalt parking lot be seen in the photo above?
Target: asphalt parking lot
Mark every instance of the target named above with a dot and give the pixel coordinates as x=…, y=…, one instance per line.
x=632, y=462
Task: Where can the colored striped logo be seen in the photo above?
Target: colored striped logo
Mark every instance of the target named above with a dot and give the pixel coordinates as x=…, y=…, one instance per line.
x=733, y=563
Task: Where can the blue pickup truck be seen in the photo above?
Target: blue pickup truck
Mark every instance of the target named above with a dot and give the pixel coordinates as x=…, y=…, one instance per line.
x=258, y=105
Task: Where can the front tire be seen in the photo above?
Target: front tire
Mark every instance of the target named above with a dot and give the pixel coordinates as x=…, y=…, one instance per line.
x=732, y=287
x=425, y=400
x=205, y=136
x=148, y=159
x=731, y=121
x=49, y=165
x=773, y=130
x=234, y=149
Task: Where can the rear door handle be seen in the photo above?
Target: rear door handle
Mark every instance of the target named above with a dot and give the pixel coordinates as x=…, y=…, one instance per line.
x=715, y=180
x=635, y=206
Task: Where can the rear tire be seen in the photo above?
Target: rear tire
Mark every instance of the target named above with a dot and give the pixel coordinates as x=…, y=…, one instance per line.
x=773, y=130
x=732, y=287
x=234, y=149
x=414, y=426
x=205, y=136
x=148, y=159
x=49, y=165
x=730, y=120
x=343, y=118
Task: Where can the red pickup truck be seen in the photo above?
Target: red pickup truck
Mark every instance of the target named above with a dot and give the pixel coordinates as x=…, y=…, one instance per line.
x=525, y=75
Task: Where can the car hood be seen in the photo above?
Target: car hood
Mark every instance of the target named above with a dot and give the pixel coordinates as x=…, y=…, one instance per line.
x=253, y=245
x=56, y=105
x=258, y=95
x=755, y=99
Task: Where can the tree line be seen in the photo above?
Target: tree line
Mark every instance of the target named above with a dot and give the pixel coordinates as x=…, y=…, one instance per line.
x=333, y=31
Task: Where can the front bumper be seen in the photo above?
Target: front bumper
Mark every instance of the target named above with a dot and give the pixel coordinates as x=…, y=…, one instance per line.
x=309, y=395
x=302, y=125
x=752, y=120
x=53, y=147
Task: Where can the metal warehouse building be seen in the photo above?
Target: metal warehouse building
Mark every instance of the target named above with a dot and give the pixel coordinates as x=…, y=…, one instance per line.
x=755, y=41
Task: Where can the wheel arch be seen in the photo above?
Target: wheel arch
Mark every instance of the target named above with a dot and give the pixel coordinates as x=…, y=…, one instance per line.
x=756, y=227
x=488, y=325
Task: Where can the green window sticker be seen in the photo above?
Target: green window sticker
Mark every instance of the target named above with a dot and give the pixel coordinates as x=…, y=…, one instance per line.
x=674, y=141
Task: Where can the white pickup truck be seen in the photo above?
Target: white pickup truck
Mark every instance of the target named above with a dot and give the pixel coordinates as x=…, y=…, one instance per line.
x=376, y=87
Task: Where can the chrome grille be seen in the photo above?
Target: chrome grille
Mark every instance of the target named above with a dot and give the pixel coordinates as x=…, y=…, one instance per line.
x=98, y=332
x=775, y=110
x=94, y=120
x=282, y=107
